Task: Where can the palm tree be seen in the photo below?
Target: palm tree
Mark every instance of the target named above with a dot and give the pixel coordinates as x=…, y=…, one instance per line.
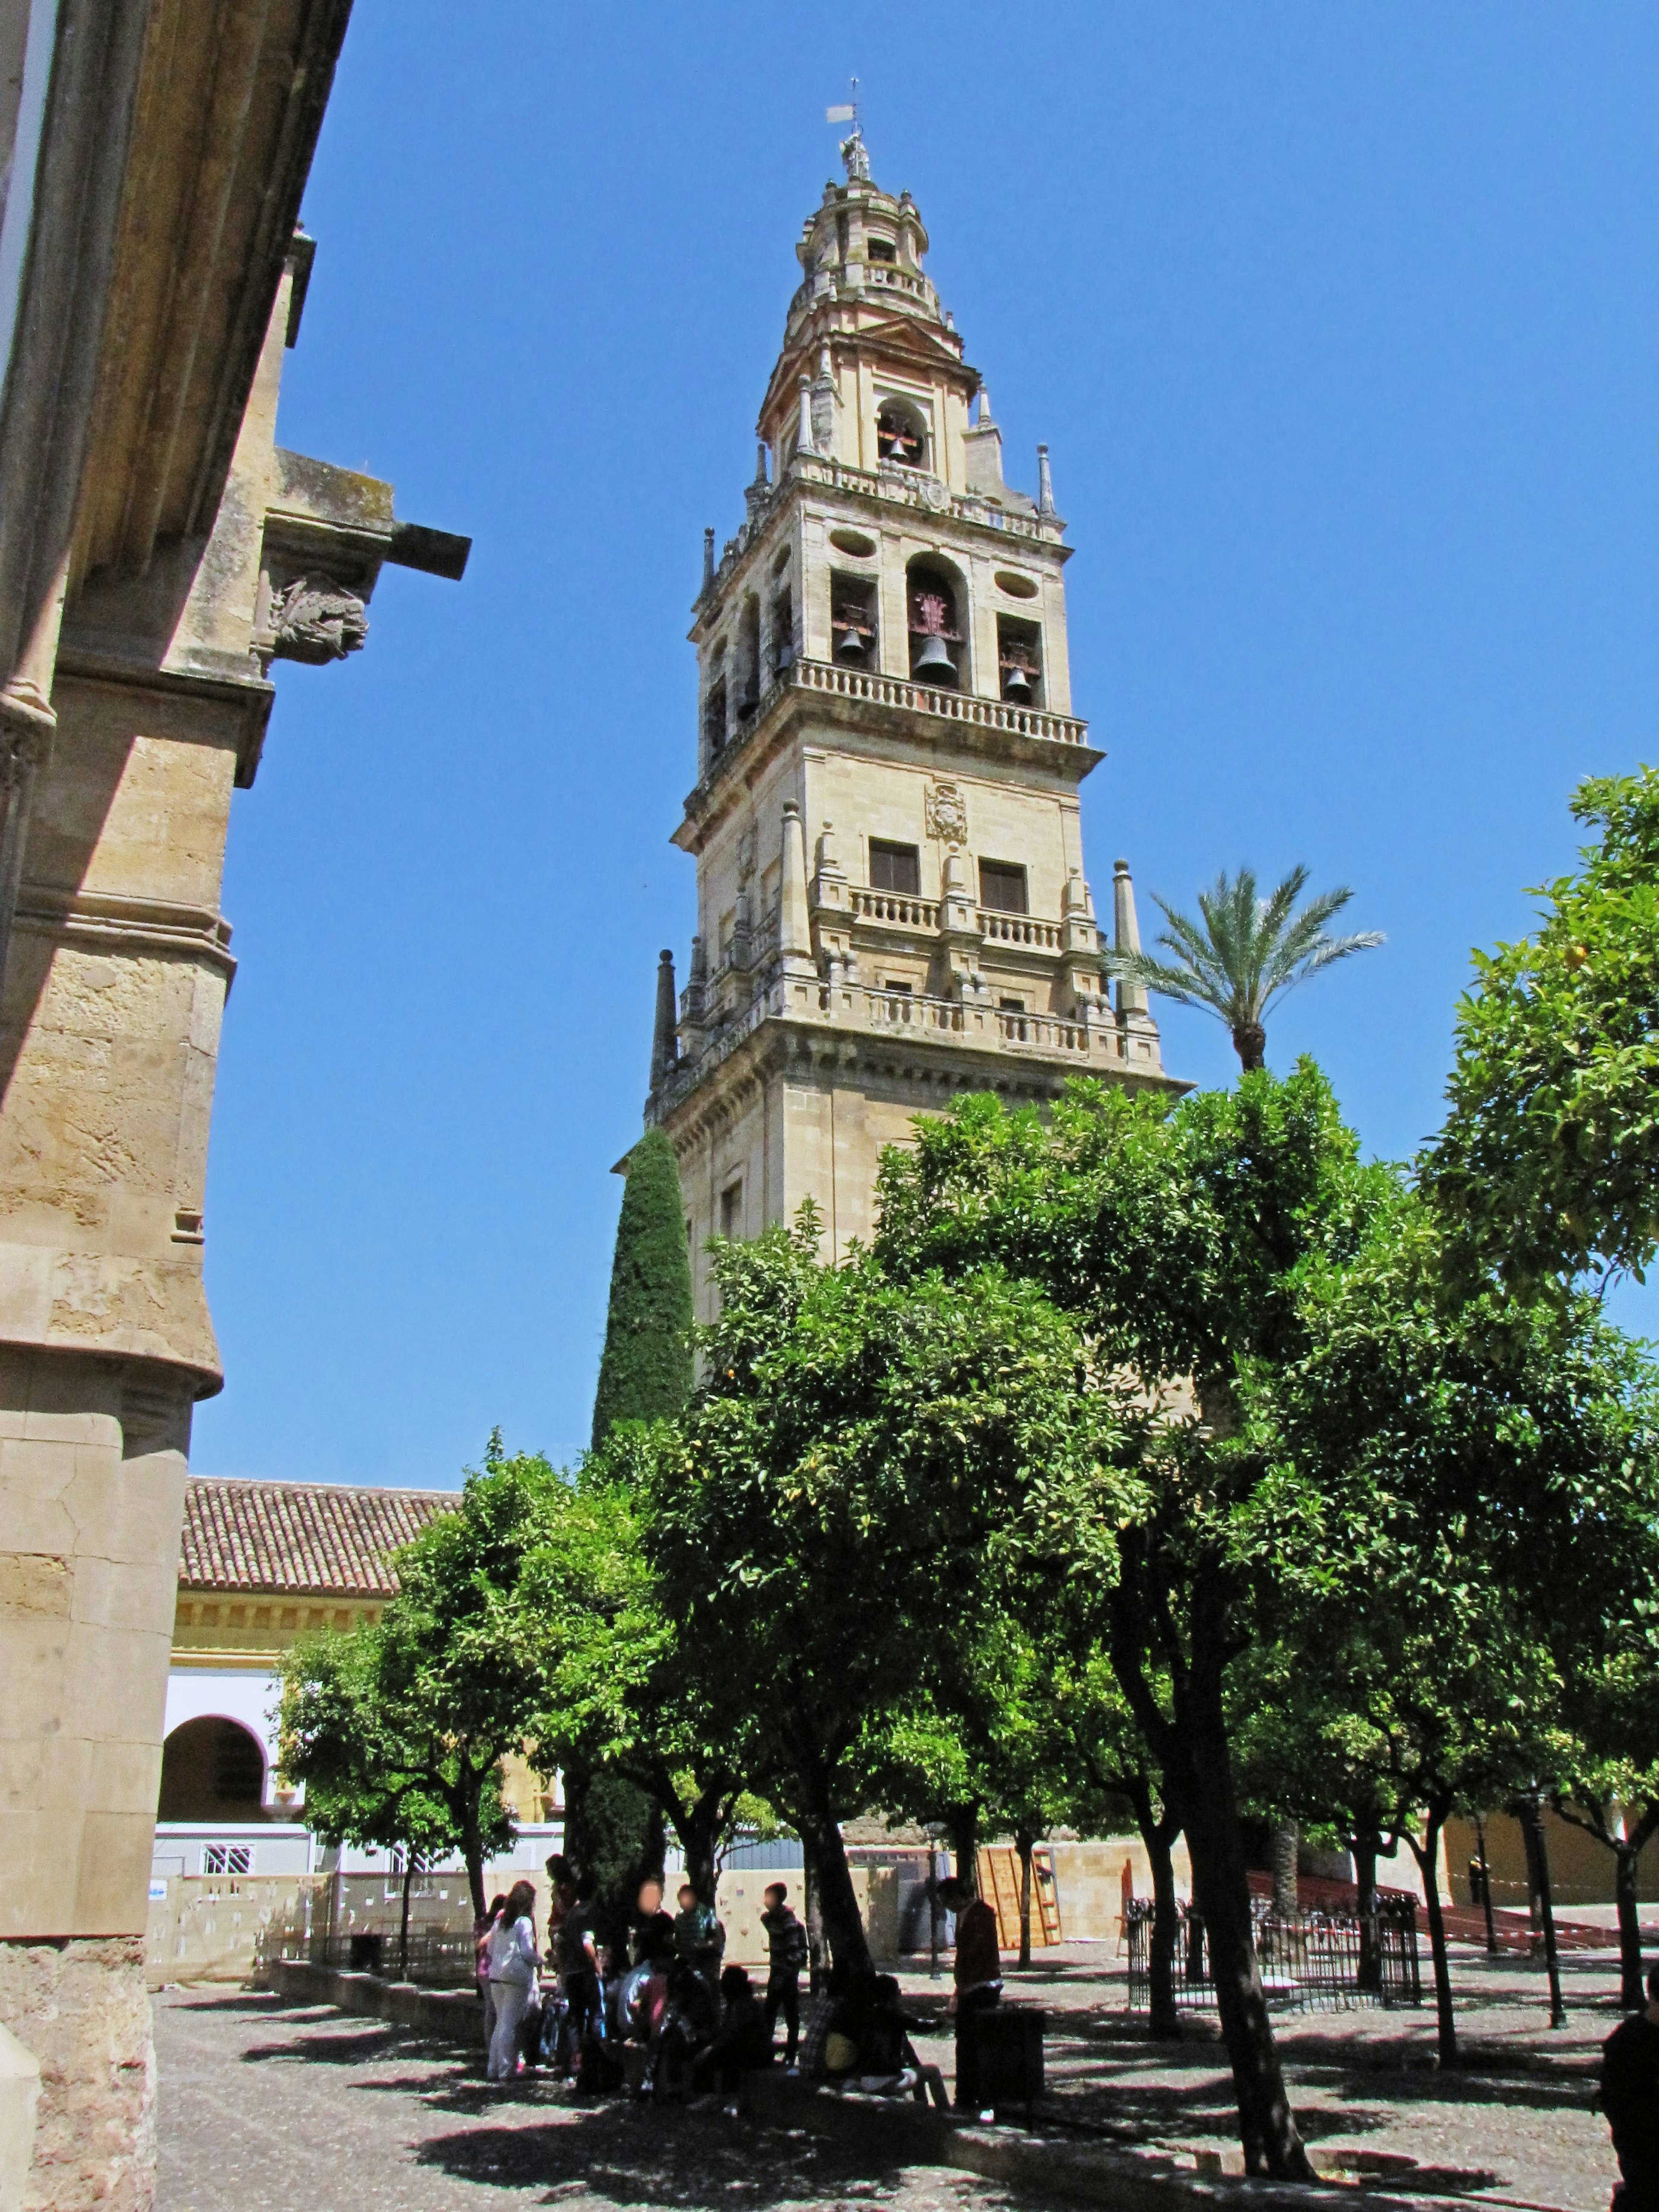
x=1245, y=952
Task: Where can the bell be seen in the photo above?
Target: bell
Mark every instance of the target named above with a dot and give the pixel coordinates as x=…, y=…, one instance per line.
x=849, y=646
x=1017, y=685
x=934, y=661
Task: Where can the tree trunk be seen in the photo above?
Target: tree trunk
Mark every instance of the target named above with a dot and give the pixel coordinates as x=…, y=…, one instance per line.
x=1427, y=1854
x=471, y=1837
x=964, y=1841
x=1250, y=1043
x=698, y=1824
x=403, y=1933
x=1158, y=1834
x=1631, y=1994
x=577, y=1774
x=1486, y=1886
x=698, y=1831
x=1286, y=1842
x=811, y=1913
x=1023, y=1842
x=838, y=1905
x=1370, y=1950
x=1193, y=1755
x=653, y=1853
x=1532, y=1822
x=1267, y=2128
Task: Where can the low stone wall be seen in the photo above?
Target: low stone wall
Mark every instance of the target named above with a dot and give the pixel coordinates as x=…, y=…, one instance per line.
x=455, y=2015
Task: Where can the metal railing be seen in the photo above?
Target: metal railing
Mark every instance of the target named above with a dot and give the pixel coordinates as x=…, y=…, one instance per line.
x=437, y=1959
x=1308, y=1961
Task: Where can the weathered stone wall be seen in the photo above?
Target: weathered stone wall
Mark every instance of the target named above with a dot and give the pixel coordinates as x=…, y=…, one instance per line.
x=79, y=2006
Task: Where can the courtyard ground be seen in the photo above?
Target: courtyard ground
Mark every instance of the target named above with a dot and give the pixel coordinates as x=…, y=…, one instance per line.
x=272, y=2109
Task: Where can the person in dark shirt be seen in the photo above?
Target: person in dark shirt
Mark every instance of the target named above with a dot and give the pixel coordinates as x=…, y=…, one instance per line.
x=787, y=1953
x=1630, y=2098
x=579, y=1962
x=699, y=1939
x=978, y=1979
x=744, y=2042
x=690, y=2021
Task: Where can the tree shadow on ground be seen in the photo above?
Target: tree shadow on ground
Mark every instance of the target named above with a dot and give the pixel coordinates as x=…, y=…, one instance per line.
x=633, y=2155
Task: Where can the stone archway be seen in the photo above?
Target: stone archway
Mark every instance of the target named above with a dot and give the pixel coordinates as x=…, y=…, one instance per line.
x=212, y=1769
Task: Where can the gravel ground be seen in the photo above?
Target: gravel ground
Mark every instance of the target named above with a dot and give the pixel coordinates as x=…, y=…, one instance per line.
x=265, y=2108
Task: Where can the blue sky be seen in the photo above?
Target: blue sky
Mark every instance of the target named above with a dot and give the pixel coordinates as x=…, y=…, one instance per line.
x=1339, y=324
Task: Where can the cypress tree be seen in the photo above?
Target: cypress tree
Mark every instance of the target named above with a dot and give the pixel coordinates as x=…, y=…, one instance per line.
x=645, y=1370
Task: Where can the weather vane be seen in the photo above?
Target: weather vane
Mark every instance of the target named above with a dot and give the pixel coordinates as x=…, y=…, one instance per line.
x=852, y=148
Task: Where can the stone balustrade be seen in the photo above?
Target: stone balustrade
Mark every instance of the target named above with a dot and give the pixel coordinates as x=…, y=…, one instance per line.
x=983, y=1024
x=823, y=676
x=1019, y=929
x=892, y=908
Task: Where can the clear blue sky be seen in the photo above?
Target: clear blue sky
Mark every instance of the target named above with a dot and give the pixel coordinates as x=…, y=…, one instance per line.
x=1340, y=323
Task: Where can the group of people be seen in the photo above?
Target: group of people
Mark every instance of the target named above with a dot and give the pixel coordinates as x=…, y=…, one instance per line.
x=647, y=2006
x=651, y=2007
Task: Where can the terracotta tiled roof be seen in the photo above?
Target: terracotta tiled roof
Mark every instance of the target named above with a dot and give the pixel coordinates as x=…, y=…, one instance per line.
x=312, y=1537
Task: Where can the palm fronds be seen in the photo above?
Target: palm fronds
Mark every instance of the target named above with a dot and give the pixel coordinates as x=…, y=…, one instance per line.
x=1244, y=952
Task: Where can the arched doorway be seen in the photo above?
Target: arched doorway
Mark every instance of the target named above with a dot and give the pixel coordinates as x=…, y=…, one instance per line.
x=212, y=1769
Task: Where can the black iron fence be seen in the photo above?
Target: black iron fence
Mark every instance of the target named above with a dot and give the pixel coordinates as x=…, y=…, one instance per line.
x=1308, y=1961
x=437, y=1960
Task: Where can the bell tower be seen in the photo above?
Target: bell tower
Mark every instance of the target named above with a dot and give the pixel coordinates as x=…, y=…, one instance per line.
x=892, y=902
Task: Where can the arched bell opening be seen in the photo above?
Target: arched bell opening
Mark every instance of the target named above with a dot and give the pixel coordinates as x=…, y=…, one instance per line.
x=212, y=1769
x=937, y=604
x=714, y=706
x=902, y=434
x=782, y=653
x=852, y=635
x=1020, y=661
x=747, y=671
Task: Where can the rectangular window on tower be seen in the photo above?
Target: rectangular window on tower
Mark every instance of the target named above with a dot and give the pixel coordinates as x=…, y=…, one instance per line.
x=1002, y=887
x=895, y=868
x=732, y=1211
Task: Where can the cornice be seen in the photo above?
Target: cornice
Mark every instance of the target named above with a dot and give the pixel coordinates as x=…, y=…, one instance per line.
x=111, y=920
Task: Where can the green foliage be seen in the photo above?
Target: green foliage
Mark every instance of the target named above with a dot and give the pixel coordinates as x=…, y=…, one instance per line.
x=860, y=1463
x=419, y=1711
x=1243, y=953
x=645, y=1372
x=1172, y=1229
x=1549, y=1160
x=367, y=1779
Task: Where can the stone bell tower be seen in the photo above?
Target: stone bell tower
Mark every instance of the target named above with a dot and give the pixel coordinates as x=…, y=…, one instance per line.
x=892, y=902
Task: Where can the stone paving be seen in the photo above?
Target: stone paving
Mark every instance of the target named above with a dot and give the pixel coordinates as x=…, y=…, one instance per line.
x=269, y=2109
x=1512, y=2124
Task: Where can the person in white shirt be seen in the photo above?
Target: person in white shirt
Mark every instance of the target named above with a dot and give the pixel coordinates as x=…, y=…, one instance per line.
x=513, y=1960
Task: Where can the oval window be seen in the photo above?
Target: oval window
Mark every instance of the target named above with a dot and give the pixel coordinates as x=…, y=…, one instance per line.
x=853, y=541
x=1018, y=587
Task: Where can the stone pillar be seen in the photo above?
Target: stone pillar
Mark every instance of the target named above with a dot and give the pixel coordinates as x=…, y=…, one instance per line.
x=795, y=918
x=662, y=1040
x=92, y=1477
